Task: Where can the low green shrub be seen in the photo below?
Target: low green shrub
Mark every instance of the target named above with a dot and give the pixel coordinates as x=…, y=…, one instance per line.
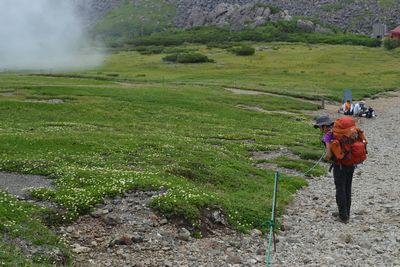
x=391, y=44
x=171, y=58
x=224, y=45
x=281, y=31
x=175, y=50
x=149, y=50
x=187, y=58
x=243, y=51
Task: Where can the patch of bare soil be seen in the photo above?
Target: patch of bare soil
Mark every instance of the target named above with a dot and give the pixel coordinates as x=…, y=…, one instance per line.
x=258, y=109
x=18, y=184
x=259, y=155
x=8, y=93
x=239, y=91
x=53, y=100
x=266, y=155
x=233, y=139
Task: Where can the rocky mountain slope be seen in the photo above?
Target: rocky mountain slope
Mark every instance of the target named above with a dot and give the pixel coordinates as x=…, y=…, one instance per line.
x=350, y=15
x=93, y=10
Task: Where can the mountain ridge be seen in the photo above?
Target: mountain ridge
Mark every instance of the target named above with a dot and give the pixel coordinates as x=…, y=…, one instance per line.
x=348, y=15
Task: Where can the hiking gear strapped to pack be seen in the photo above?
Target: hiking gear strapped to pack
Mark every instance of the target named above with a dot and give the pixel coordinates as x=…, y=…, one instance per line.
x=349, y=144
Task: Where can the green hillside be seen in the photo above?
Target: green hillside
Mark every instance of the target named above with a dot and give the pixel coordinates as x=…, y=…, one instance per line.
x=135, y=19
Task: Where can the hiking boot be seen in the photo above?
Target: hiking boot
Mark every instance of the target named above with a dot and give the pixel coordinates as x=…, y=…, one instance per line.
x=343, y=220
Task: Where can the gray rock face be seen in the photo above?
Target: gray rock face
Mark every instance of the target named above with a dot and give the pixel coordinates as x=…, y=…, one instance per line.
x=355, y=16
x=236, y=15
x=306, y=25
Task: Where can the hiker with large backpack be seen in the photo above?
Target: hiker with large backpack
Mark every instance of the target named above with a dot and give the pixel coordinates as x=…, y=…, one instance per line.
x=346, y=147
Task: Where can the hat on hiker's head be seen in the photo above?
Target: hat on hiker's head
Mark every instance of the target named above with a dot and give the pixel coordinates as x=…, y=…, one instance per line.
x=362, y=102
x=323, y=120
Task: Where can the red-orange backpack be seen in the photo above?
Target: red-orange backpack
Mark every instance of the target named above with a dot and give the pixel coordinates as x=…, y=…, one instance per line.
x=349, y=144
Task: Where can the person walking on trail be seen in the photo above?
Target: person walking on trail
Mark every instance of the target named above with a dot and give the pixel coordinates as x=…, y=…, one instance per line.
x=343, y=175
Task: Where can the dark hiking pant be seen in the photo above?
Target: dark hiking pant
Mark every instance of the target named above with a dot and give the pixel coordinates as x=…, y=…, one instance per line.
x=343, y=179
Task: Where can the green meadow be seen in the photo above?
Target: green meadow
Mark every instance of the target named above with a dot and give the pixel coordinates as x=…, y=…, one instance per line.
x=138, y=122
x=305, y=70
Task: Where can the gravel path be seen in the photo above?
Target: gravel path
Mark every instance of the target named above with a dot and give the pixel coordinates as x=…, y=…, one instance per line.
x=313, y=237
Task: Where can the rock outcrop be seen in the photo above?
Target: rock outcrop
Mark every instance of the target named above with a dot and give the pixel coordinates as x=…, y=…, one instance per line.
x=234, y=16
x=354, y=15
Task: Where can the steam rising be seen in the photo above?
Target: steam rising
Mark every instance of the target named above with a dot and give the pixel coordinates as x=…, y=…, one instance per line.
x=43, y=34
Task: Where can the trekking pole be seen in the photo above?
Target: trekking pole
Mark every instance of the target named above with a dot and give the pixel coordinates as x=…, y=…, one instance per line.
x=272, y=221
x=276, y=196
x=315, y=165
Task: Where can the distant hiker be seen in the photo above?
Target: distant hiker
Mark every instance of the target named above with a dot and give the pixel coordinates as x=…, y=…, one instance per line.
x=346, y=146
x=357, y=110
x=360, y=109
x=362, y=105
x=348, y=108
x=370, y=113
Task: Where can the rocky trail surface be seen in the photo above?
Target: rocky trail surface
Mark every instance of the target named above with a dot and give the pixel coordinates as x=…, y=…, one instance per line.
x=313, y=237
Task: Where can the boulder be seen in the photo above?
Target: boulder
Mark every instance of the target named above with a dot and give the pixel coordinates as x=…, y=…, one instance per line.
x=306, y=25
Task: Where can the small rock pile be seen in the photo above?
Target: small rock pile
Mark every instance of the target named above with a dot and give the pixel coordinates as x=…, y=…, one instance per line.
x=125, y=232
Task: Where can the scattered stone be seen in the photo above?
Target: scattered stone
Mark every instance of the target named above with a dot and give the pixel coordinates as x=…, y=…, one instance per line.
x=306, y=25
x=218, y=217
x=163, y=221
x=80, y=249
x=98, y=213
x=345, y=238
x=234, y=259
x=260, y=251
x=111, y=219
x=137, y=238
x=251, y=262
x=360, y=212
x=256, y=233
x=184, y=234
x=126, y=240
